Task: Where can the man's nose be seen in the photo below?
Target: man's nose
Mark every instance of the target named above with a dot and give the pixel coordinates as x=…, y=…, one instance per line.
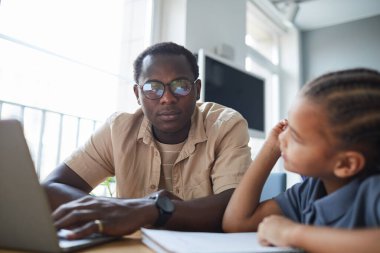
x=168, y=97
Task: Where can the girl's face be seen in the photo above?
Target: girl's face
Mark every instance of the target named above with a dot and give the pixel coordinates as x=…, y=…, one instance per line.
x=307, y=145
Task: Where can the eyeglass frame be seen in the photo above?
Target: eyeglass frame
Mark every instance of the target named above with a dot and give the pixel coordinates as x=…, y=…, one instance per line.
x=165, y=85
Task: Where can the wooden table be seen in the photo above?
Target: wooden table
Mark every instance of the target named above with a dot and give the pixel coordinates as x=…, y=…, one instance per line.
x=128, y=244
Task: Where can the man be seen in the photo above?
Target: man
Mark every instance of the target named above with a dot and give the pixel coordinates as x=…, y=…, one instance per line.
x=176, y=162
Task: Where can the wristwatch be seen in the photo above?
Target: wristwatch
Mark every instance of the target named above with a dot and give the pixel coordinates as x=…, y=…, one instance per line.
x=165, y=209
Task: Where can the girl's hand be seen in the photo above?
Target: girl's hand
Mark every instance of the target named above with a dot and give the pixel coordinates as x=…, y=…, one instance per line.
x=278, y=129
x=276, y=230
x=273, y=135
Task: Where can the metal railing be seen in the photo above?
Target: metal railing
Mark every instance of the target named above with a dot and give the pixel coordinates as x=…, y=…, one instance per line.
x=35, y=121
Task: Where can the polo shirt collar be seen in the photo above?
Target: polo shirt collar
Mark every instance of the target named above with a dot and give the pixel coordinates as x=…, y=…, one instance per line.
x=197, y=134
x=333, y=206
x=145, y=131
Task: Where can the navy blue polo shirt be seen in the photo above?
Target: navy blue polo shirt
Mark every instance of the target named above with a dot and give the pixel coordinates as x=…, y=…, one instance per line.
x=355, y=205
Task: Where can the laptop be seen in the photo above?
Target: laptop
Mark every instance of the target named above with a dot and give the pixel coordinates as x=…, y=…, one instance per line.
x=25, y=216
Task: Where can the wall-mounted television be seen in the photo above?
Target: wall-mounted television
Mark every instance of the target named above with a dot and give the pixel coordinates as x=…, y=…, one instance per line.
x=229, y=85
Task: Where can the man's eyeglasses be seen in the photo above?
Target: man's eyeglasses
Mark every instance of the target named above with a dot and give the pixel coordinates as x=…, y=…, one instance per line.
x=156, y=89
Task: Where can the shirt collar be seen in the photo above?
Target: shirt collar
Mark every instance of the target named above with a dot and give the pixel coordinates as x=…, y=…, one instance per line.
x=145, y=132
x=197, y=134
x=333, y=206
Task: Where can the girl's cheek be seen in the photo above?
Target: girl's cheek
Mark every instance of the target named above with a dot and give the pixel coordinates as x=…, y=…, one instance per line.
x=283, y=140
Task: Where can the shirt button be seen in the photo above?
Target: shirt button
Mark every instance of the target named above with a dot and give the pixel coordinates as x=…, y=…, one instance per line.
x=177, y=190
x=156, y=153
x=152, y=187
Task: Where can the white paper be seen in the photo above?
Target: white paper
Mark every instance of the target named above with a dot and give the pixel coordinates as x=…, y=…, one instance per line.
x=191, y=242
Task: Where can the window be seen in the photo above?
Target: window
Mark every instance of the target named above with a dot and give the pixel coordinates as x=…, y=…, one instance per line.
x=63, y=66
x=259, y=36
x=267, y=32
x=262, y=47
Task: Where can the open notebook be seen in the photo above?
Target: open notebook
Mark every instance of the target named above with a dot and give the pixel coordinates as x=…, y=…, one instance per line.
x=200, y=242
x=25, y=216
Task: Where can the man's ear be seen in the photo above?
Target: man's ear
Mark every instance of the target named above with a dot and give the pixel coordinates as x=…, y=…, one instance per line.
x=136, y=90
x=349, y=164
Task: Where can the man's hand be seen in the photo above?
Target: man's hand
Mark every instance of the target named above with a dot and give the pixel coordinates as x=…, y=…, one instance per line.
x=124, y=216
x=117, y=216
x=276, y=230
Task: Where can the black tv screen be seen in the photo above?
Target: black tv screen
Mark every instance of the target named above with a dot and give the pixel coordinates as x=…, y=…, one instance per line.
x=235, y=88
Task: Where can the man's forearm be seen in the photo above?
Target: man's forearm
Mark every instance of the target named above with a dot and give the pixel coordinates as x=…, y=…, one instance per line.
x=63, y=185
x=61, y=193
x=125, y=216
x=204, y=214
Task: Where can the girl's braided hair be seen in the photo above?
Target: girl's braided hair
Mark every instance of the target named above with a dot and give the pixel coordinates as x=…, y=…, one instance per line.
x=351, y=99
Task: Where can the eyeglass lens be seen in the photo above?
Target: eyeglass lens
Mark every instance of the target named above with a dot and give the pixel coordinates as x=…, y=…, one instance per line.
x=156, y=89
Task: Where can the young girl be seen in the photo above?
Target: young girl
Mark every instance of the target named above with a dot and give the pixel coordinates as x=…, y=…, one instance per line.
x=332, y=136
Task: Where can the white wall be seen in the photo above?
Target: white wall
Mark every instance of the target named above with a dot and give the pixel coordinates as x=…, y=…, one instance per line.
x=353, y=44
x=210, y=23
x=203, y=24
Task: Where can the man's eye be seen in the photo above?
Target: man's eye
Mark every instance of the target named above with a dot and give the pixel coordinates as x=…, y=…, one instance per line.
x=152, y=86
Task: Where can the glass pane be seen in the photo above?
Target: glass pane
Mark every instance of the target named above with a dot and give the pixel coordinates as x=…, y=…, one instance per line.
x=49, y=144
x=41, y=80
x=86, y=128
x=259, y=36
x=70, y=65
x=42, y=64
x=9, y=111
x=32, y=130
x=69, y=136
x=87, y=30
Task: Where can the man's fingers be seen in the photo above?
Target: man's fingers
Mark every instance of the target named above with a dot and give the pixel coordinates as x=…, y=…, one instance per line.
x=87, y=229
x=61, y=211
x=76, y=217
x=66, y=208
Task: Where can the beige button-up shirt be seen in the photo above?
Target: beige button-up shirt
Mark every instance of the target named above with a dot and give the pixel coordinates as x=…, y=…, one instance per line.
x=212, y=160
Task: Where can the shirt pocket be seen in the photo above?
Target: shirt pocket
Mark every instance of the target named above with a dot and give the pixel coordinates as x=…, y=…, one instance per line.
x=198, y=190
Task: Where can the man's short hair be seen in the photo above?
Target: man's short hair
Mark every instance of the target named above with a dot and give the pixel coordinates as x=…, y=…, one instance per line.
x=165, y=48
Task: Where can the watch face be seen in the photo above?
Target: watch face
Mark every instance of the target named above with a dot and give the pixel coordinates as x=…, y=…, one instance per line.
x=165, y=204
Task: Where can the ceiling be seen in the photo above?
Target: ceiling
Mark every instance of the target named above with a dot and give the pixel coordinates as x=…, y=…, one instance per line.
x=314, y=14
